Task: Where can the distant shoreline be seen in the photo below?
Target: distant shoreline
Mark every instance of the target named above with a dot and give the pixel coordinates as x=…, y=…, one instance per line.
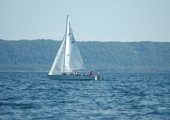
x=118, y=57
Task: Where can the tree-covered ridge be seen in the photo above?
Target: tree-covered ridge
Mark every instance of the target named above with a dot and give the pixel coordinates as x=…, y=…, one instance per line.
x=38, y=55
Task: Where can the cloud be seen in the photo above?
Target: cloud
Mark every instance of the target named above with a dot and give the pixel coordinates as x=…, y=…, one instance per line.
x=45, y=35
x=78, y=37
x=88, y=37
x=38, y=35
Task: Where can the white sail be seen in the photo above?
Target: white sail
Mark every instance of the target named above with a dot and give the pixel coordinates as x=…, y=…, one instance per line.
x=68, y=57
x=57, y=67
x=68, y=48
x=76, y=61
x=73, y=60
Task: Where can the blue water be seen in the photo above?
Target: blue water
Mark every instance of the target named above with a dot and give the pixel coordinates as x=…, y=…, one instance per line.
x=28, y=95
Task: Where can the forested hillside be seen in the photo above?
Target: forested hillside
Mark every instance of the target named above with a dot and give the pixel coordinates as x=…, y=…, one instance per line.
x=38, y=55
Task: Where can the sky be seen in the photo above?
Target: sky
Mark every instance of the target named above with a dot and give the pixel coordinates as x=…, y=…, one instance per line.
x=91, y=20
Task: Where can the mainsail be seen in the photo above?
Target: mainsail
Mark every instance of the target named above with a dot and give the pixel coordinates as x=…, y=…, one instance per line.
x=68, y=57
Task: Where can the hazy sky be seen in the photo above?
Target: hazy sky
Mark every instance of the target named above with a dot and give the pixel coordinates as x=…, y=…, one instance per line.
x=91, y=20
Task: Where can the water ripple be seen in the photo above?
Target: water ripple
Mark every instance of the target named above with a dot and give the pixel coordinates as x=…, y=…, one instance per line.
x=116, y=96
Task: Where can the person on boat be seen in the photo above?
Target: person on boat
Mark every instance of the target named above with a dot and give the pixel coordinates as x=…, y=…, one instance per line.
x=77, y=73
x=91, y=72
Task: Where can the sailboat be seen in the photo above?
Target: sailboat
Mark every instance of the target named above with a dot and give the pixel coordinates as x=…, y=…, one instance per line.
x=68, y=60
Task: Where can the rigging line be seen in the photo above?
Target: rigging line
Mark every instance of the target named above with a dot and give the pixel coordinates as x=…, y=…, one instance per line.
x=65, y=43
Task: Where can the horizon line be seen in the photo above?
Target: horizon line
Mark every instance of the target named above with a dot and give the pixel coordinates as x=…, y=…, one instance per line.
x=86, y=40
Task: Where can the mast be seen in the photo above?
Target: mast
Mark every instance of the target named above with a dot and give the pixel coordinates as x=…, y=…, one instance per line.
x=65, y=43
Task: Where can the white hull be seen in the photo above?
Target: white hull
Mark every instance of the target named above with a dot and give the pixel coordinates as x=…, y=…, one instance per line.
x=73, y=77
